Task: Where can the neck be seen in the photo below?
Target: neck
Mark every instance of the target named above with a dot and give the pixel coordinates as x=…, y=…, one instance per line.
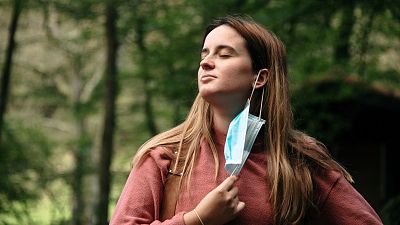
x=222, y=117
x=221, y=122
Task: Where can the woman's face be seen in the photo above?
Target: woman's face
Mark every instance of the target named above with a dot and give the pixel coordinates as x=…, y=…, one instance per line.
x=225, y=74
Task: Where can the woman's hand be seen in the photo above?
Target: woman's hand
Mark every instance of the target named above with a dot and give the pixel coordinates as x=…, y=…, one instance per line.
x=219, y=206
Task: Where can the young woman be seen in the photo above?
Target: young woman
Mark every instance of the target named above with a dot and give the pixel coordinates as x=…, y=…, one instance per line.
x=288, y=177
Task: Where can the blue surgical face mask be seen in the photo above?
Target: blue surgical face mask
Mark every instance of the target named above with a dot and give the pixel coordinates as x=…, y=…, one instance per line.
x=242, y=133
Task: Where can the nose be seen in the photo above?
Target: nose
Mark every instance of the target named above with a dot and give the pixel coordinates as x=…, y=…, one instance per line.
x=207, y=63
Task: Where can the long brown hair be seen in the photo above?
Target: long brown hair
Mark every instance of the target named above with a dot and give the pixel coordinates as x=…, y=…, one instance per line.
x=292, y=155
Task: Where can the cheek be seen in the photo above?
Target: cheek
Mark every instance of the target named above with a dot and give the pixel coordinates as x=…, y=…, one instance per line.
x=198, y=77
x=241, y=72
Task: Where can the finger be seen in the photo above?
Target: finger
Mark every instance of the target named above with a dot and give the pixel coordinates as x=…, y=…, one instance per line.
x=235, y=202
x=226, y=185
x=240, y=206
x=233, y=192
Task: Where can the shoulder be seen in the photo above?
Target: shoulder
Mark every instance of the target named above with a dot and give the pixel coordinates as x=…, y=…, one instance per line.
x=338, y=202
x=155, y=159
x=324, y=180
x=161, y=153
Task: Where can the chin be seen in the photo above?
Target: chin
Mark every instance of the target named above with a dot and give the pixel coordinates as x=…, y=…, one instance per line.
x=206, y=93
x=213, y=98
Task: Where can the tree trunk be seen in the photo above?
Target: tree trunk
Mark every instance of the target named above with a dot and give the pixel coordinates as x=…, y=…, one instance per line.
x=81, y=152
x=80, y=158
x=5, y=77
x=109, y=119
x=148, y=96
x=364, y=42
x=342, y=48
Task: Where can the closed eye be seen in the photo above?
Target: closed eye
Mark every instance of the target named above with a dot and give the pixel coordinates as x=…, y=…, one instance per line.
x=225, y=55
x=226, y=52
x=204, y=52
x=222, y=51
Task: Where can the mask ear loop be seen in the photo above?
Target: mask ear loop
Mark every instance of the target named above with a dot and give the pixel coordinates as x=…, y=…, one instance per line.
x=262, y=96
x=254, y=85
x=262, y=103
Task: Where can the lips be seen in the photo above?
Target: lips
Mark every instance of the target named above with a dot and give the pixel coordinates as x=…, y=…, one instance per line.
x=208, y=76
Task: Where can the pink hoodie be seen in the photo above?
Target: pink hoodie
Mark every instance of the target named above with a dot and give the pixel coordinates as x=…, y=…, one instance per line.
x=139, y=203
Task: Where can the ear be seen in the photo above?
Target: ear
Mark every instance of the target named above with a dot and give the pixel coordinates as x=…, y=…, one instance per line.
x=262, y=78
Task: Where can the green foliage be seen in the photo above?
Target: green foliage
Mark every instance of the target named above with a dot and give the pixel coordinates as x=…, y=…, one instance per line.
x=313, y=109
x=60, y=60
x=78, y=10
x=25, y=169
x=391, y=212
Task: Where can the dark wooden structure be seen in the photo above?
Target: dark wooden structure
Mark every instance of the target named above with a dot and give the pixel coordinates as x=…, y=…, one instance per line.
x=360, y=124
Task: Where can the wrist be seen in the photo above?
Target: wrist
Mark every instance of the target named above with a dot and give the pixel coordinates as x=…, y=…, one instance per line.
x=190, y=218
x=198, y=216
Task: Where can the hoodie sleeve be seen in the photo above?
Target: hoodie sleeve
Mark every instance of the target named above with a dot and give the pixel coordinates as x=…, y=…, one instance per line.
x=140, y=200
x=339, y=202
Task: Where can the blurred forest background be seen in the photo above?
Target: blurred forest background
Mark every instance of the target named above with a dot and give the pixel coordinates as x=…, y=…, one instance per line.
x=85, y=82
